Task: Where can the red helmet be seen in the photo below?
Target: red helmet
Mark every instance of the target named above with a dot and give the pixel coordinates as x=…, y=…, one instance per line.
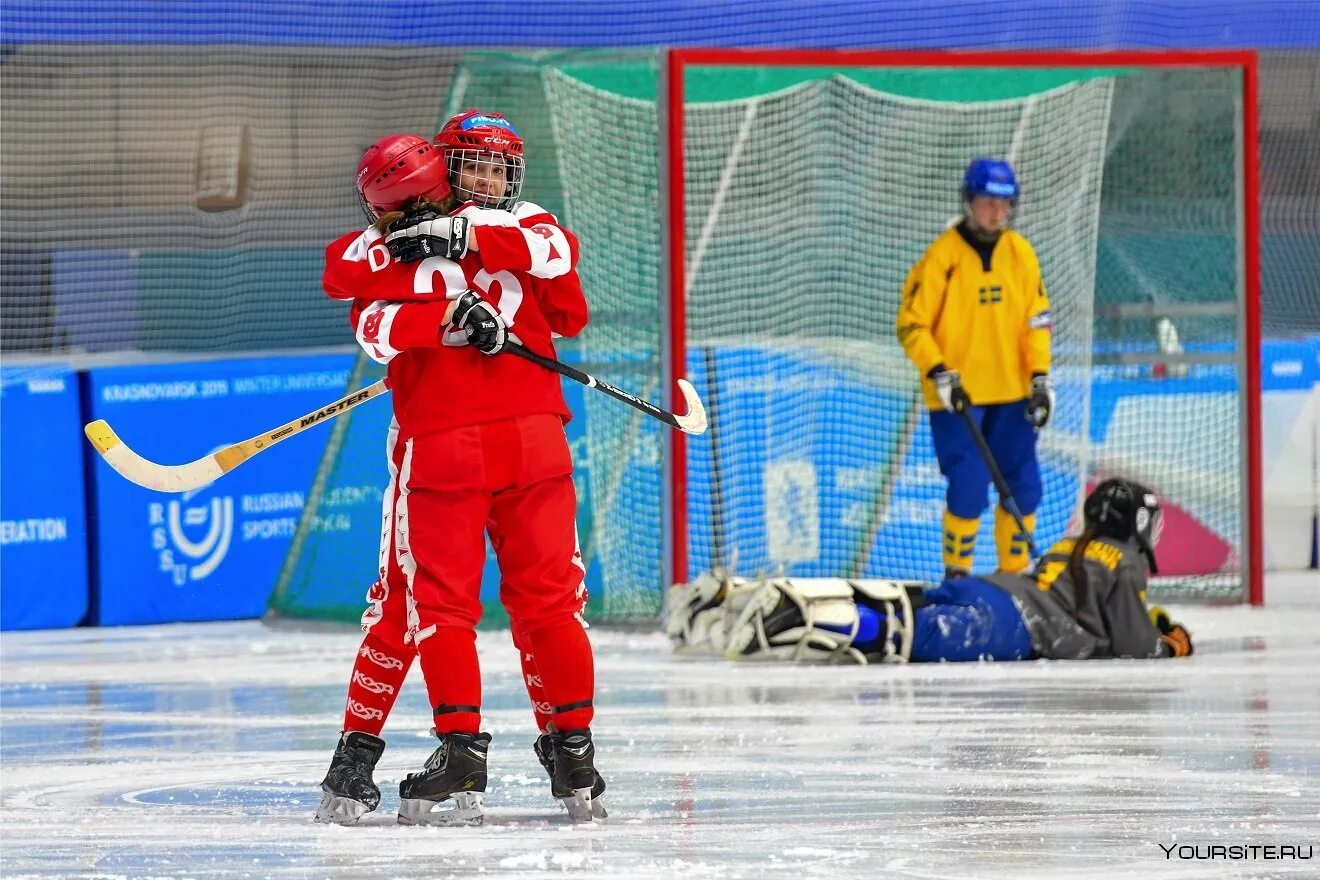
x=491, y=140
x=399, y=169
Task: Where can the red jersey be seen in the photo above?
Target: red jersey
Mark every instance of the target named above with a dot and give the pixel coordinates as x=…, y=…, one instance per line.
x=523, y=265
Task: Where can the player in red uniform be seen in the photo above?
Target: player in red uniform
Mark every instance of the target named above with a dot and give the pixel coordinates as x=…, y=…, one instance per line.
x=438, y=286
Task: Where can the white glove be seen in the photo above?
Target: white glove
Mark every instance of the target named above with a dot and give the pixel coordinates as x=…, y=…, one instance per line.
x=948, y=385
x=1040, y=406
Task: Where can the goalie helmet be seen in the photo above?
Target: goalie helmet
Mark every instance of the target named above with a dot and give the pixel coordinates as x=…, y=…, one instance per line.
x=482, y=152
x=990, y=177
x=397, y=170
x=1125, y=511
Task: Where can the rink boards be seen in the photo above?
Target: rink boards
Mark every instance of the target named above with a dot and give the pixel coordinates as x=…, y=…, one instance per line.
x=818, y=493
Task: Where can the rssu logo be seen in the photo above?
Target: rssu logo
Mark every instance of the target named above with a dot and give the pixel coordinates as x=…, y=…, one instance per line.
x=191, y=536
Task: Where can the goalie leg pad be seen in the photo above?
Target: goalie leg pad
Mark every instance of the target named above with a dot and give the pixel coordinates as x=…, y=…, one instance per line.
x=893, y=600
x=699, y=614
x=799, y=620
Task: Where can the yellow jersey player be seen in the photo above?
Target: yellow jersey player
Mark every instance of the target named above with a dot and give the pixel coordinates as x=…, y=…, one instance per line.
x=975, y=320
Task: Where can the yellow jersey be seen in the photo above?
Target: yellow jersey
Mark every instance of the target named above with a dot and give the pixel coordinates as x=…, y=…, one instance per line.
x=980, y=310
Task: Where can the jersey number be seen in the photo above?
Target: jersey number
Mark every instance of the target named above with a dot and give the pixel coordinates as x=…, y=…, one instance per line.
x=503, y=287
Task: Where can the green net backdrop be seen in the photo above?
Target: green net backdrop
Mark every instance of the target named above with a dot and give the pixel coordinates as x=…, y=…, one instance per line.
x=823, y=185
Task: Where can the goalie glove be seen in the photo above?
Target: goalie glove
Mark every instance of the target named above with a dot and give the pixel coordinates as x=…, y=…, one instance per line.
x=1040, y=405
x=948, y=385
x=485, y=329
x=1173, y=636
x=1177, y=641
x=427, y=234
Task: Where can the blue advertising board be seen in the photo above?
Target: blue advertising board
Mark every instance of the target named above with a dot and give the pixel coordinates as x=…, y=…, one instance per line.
x=809, y=485
x=1290, y=364
x=43, y=536
x=213, y=553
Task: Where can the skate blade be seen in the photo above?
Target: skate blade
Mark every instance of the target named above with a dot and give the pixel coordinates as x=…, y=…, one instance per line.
x=469, y=809
x=340, y=810
x=582, y=807
x=743, y=631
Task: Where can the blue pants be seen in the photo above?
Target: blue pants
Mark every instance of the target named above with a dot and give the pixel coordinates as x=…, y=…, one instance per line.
x=1012, y=441
x=969, y=619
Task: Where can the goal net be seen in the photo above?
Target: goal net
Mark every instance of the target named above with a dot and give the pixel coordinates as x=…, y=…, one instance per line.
x=807, y=191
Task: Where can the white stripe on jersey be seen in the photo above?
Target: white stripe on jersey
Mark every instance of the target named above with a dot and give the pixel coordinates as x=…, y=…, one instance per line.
x=356, y=252
x=547, y=239
x=373, y=330
x=549, y=248
x=488, y=216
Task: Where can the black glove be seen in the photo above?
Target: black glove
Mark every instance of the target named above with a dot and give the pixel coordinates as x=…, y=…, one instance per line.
x=1174, y=636
x=425, y=234
x=948, y=385
x=485, y=329
x=1178, y=641
x=1040, y=406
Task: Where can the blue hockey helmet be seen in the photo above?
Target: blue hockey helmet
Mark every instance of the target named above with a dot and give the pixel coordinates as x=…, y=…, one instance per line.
x=990, y=177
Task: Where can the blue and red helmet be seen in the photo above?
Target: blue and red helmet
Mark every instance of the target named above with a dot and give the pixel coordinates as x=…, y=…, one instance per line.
x=990, y=177
x=489, y=139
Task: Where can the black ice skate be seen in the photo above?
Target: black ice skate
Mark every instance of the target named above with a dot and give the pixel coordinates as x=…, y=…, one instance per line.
x=349, y=789
x=566, y=758
x=457, y=770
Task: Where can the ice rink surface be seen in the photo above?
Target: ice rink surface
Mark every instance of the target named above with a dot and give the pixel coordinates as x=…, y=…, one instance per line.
x=196, y=751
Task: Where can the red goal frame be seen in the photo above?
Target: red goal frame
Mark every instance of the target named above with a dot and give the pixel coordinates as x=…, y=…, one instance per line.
x=672, y=139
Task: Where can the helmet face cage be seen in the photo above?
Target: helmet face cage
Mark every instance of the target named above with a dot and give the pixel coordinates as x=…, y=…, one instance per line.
x=366, y=208
x=483, y=152
x=476, y=176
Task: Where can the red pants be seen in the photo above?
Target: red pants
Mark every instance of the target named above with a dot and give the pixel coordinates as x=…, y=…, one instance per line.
x=513, y=479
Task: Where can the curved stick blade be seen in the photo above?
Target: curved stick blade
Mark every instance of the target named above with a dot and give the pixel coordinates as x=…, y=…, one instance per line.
x=136, y=469
x=695, y=420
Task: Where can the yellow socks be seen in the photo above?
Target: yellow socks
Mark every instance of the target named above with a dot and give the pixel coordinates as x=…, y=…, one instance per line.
x=959, y=541
x=1011, y=543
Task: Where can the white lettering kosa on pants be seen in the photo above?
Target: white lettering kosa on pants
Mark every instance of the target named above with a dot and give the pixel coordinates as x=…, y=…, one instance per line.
x=365, y=712
x=368, y=683
x=380, y=658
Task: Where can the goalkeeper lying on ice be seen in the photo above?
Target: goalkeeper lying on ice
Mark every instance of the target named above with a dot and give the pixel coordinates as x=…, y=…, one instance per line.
x=1086, y=598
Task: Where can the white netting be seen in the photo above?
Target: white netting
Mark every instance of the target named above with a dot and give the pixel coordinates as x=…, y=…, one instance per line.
x=809, y=195
x=805, y=210
x=161, y=198
x=607, y=150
